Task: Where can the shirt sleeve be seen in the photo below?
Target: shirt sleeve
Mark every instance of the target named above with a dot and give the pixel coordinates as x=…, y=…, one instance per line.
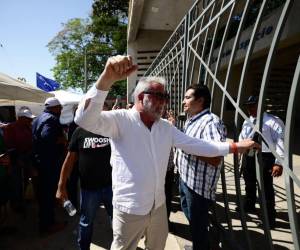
x=242, y=135
x=197, y=146
x=212, y=132
x=73, y=145
x=277, y=133
x=90, y=116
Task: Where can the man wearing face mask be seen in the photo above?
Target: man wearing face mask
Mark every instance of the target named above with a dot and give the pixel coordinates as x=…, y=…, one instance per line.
x=141, y=143
x=49, y=145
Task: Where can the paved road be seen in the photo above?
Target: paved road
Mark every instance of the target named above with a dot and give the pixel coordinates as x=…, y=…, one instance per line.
x=281, y=235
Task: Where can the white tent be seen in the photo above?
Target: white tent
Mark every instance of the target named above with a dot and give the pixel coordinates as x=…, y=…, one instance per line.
x=66, y=97
x=18, y=94
x=14, y=90
x=69, y=101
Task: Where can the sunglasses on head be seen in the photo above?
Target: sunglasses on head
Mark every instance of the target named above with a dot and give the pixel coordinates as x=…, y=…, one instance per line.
x=159, y=95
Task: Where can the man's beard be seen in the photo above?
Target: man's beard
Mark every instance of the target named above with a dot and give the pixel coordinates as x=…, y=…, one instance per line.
x=152, y=111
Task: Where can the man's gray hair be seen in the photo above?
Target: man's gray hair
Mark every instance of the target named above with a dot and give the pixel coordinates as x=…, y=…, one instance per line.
x=144, y=84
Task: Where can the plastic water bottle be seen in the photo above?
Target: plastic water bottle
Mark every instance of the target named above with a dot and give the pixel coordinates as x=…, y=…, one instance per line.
x=70, y=208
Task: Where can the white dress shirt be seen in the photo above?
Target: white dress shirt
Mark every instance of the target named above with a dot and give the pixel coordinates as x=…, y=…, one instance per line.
x=139, y=156
x=272, y=131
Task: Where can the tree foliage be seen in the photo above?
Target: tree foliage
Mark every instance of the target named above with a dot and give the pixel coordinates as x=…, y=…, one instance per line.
x=109, y=23
x=68, y=48
x=102, y=35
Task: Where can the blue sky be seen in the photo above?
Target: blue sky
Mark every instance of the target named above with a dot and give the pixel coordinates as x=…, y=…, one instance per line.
x=26, y=26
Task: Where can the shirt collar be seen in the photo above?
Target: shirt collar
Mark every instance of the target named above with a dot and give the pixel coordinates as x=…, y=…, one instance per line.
x=137, y=116
x=52, y=113
x=195, y=117
x=135, y=113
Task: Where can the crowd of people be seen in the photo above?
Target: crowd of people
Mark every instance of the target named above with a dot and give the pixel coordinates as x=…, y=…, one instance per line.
x=125, y=159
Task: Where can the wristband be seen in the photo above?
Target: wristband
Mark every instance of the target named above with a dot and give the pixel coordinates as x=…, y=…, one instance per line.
x=234, y=148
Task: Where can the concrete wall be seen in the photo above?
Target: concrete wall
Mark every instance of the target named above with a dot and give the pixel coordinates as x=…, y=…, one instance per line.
x=143, y=50
x=290, y=35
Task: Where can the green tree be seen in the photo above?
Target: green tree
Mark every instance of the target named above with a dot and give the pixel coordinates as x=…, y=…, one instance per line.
x=109, y=23
x=68, y=47
x=109, y=26
x=102, y=35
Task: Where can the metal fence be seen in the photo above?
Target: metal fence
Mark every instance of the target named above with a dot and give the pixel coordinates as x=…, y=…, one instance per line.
x=209, y=47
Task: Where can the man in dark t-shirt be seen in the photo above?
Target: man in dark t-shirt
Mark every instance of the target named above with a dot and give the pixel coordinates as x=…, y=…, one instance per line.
x=93, y=154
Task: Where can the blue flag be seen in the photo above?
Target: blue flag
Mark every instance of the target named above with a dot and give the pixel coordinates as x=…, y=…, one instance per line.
x=45, y=83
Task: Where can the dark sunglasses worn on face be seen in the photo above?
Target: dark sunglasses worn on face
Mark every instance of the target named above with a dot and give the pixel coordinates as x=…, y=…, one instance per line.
x=160, y=95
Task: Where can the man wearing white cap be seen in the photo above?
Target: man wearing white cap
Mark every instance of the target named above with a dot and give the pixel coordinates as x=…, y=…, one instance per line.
x=49, y=148
x=18, y=139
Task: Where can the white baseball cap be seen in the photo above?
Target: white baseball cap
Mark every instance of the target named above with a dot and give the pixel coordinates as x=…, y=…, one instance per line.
x=52, y=102
x=25, y=113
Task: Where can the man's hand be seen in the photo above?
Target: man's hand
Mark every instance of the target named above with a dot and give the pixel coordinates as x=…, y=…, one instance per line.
x=61, y=193
x=171, y=117
x=243, y=146
x=276, y=170
x=115, y=107
x=117, y=68
x=116, y=104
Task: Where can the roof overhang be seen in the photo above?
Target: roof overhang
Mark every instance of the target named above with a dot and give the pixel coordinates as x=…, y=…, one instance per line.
x=155, y=15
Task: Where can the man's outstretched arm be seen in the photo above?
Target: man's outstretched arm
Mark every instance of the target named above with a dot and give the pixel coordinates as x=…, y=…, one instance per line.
x=207, y=148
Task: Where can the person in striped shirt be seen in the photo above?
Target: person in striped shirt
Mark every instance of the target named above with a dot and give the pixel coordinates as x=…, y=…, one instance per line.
x=199, y=175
